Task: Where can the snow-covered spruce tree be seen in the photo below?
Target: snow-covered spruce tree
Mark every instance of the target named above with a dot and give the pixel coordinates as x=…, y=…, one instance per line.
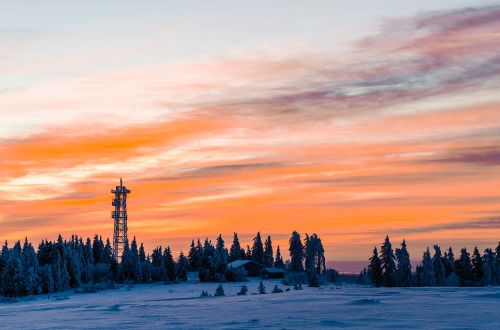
x=47, y=280
x=219, y=292
x=262, y=288
x=489, y=267
x=31, y=280
x=88, y=263
x=73, y=265
x=4, y=256
x=419, y=271
x=243, y=291
x=193, y=257
x=207, y=269
x=136, y=276
x=98, y=249
x=375, y=269
x=220, y=257
x=428, y=276
x=12, y=275
x=142, y=253
x=278, y=261
x=127, y=263
x=477, y=271
x=497, y=264
x=157, y=264
x=403, y=266
x=235, y=250
x=108, y=253
x=438, y=267
x=448, y=260
x=182, y=266
x=276, y=289
x=314, y=259
x=268, y=252
x=388, y=263
x=258, y=249
x=463, y=267
x=296, y=253
x=60, y=273
x=168, y=265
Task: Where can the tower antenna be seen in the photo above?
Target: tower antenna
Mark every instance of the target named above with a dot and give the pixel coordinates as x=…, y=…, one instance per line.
x=120, y=219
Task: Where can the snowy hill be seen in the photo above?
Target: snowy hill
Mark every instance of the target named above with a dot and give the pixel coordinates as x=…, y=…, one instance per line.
x=179, y=306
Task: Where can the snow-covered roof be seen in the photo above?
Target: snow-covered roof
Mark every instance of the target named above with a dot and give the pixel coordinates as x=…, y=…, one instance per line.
x=274, y=270
x=238, y=263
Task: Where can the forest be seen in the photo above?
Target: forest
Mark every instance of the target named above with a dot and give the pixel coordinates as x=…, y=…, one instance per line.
x=88, y=265
x=393, y=268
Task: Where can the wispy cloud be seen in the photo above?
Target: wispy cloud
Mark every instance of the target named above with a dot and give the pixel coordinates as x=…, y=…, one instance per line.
x=399, y=133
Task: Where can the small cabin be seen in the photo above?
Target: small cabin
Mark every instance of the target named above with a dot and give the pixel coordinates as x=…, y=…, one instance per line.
x=272, y=272
x=252, y=268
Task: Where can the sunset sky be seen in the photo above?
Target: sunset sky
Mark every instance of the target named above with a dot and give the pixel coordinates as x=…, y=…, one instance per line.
x=352, y=119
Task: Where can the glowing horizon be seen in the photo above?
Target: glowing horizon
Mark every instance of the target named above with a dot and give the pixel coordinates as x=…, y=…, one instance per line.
x=385, y=123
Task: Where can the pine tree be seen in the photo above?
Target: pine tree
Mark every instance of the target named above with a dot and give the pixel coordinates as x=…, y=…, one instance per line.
x=4, y=256
x=12, y=275
x=60, y=273
x=169, y=265
x=243, y=291
x=220, y=256
x=438, y=266
x=235, y=250
x=258, y=249
x=463, y=267
x=375, y=269
x=182, y=266
x=194, y=256
x=47, y=280
x=262, y=288
x=477, y=271
x=98, y=250
x=31, y=280
x=268, y=252
x=249, y=253
x=127, y=264
x=278, y=261
x=142, y=253
x=448, y=261
x=489, y=267
x=428, y=274
x=136, y=275
x=314, y=259
x=388, y=264
x=207, y=269
x=419, y=272
x=147, y=273
x=107, y=253
x=403, y=266
x=74, y=267
x=296, y=253
x=219, y=292
x=497, y=264
x=88, y=263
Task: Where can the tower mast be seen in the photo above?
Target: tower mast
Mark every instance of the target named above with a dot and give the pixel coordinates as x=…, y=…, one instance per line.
x=120, y=219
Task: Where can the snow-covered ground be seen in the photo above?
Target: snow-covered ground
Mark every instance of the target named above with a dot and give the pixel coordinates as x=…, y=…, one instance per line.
x=179, y=306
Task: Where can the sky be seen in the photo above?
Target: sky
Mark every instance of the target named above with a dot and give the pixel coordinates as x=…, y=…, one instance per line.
x=349, y=119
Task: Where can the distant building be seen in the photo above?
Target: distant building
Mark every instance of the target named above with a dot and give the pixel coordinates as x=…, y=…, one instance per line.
x=252, y=268
x=272, y=272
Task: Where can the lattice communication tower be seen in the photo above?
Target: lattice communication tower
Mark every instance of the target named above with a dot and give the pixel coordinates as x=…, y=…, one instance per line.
x=119, y=216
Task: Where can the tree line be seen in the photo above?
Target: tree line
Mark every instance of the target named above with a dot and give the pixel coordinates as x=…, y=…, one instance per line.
x=393, y=268
x=89, y=264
